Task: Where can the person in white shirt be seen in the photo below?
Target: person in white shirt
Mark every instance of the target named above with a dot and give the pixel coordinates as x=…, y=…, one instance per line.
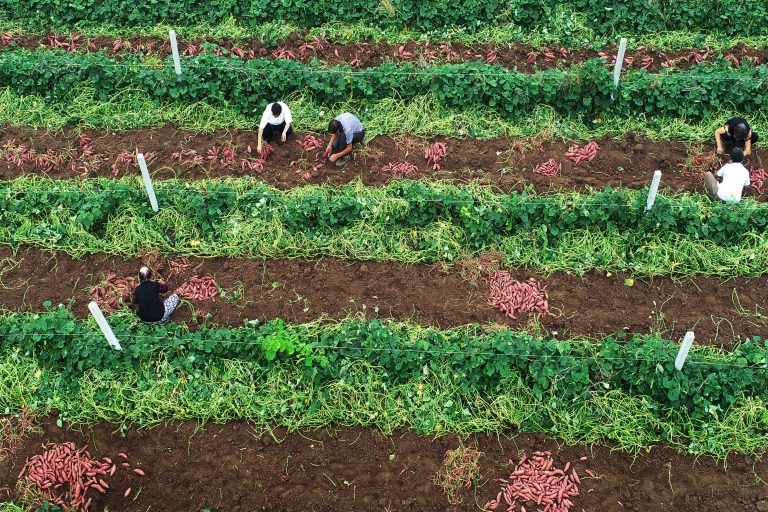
x=734, y=178
x=276, y=118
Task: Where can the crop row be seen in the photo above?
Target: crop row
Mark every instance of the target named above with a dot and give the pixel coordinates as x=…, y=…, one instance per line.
x=431, y=403
x=300, y=291
x=246, y=86
x=567, y=28
x=50, y=210
x=365, y=54
x=128, y=108
x=606, y=17
x=560, y=371
x=505, y=164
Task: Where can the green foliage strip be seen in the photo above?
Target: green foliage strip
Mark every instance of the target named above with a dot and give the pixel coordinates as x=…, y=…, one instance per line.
x=604, y=17
x=362, y=373
x=404, y=221
x=568, y=370
x=583, y=90
x=423, y=116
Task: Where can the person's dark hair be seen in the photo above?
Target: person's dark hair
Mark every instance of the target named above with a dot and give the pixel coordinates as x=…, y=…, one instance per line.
x=334, y=126
x=740, y=132
x=737, y=155
x=276, y=109
x=144, y=274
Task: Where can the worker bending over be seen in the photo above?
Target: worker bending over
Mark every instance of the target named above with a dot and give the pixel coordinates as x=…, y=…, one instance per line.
x=276, y=119
x=734, y=178
x=736, y=132
x=346, y=131
x=152, y=309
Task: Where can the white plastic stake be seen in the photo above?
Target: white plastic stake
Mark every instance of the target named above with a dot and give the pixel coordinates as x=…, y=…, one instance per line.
x=175, y=51
x=683, y=352
x=147, y=181
x=619, y=62
x=617, y=66
x=652, y=191
x=104, y=326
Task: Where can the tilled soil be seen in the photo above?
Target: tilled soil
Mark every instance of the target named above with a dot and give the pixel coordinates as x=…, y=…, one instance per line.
x=719, y=312
x=366, y=54
x=505, y=164
x=232, y=468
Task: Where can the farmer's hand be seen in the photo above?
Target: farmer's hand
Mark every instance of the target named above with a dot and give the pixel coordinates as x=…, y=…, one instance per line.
x=719, y=151
x=333, y=158
x=283, y=137
x=258, y=148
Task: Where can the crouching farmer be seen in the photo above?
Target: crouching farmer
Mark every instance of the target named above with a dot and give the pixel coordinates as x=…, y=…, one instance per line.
x=152, y=309
x=735, y=133
x=276, y=119
x=346, y=131
x=734, y=178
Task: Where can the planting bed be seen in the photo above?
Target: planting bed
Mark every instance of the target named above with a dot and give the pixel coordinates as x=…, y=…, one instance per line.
x=720, y=312
x=233, y=468
x=506, y=164
x=365, y=54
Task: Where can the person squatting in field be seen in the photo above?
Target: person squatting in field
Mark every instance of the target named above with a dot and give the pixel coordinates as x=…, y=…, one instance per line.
x=735, y=133
x=734, y=178
x=276, y=119
x=152, y=309
x=346, y=131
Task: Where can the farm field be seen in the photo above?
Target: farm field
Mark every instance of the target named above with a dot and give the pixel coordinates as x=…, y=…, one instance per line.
x=487, y=307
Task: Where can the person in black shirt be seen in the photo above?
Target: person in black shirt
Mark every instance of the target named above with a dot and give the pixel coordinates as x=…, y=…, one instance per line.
x=152, y=310
x=735, y=133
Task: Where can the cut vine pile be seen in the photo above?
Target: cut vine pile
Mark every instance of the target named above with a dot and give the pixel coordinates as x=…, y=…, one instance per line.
x=479, y=307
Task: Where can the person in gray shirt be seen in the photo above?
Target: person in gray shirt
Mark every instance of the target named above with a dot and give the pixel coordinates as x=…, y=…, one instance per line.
x=346, y=131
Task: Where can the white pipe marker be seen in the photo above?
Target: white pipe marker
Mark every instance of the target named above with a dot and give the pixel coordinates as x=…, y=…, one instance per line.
x=682, y=354
x=617, y=66
x=619, y=62
x=653, y=190
x=147, y=181
x=104, y=326
x=175, y=51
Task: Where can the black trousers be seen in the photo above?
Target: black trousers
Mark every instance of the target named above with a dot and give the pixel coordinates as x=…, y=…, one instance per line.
x=730, y=143
x=275, y=129
x=340, y=144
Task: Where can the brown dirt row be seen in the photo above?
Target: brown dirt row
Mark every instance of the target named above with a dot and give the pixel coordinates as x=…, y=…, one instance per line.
x=232, y=468
x=506, y=164
x=365, y=54
x=720, y=312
